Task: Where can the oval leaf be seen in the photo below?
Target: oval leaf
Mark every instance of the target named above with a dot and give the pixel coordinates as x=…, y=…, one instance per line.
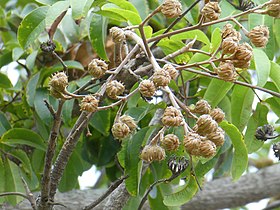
x=262, y=64
x=5, y=81
x=54, y=11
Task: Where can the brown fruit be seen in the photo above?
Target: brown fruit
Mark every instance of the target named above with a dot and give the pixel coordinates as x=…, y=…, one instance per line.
x=211, y=11
x=202, y=107
x=226, y=71
x=171, y=8
x=161, y=78
x=170, y=142
x=259, y=36
x=217, y=137
x=129, y=121
x=172, y=117
x=152, y=153
x=207, y=149
x=205, y=125
x=97, y=68
x=58, y=81
x=217, y=114
x=120, y=130
x=114, y=89
x=171, y=70
x=89, y=103
x=117, y=34
x=147, y=88
x=192, y=143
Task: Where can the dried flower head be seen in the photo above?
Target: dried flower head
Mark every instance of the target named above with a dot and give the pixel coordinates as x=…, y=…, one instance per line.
x=229, y=31
x=259, y=36
x=147, y=88
x=226, y=71
x=217, y=137
x=264, y=132
x=229, y=45
x=202, y=107
x=205, y=125
x=129, y=121
x=117, y=34
x=177, y=164
x=171, y=70
x=161, y=78
x=152, y=153
x=114, y=89
x=89, y=103
x=207, y=149
x=211, y=11
x=217, y=114
x=59, y=81
x=171, y=8
x=97, y=68
x=243, y=64
x=192, y=143
x=244, y=52
x=172, y=117
x=120, y=130
x=273, y=10
x=170, y=142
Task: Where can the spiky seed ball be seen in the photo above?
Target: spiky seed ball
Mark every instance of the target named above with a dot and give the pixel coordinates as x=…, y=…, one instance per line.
x=202, y=107
x=259, y=36
x=170, y=142
x=161, y=78
x=171, y=8
x=205, y=125
x=192, y=143
x=207, y=149
x=129, y=121
x=89, y=103
x=217, y=114
x=117, y=34
x=147, y=88
x=211, y=11
x=97, y=68
x=171, y=70
x=59, y=81
x=229, y=31
x=217, y=137
x=273, y=10
x=229, y=45
x=244, y=52
x=114, y=89
x=172, y=117
x=226, y=71
x=152, y=153
x=120, y=130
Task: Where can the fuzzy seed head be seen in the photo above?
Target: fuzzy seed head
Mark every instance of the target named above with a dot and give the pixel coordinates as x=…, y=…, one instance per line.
x=229, y=45
x=171, y=70
x=58, y=81
x=114, y=89
x=273, y=10
x=161, y=78
x=89, y=103
x=129, y=121
x=217, y=114
x=152, y=153
x=207, y=149
x=229, y=31
x=97, y=68
x=120, y=130
x=192, y=143
x=244, y=52
x=259, y=36
x=172, y=117
x=226, y=71
x=170, y=142
x=202, y=107
x=171, y=8
x=117, y=34
x=147, y=88
x=217, y=137
x=205, y=125
x=211, y=11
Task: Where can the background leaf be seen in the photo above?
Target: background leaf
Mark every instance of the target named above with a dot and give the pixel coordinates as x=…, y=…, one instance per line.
x=262, y=64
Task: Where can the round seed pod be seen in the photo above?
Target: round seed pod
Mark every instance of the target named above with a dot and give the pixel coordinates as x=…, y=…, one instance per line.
x=171, y=8
x=217, y=114
x=172, y=117
x=229, y=31
x=152, y=153
x=243, y=64
x=192, y=143
x=120, y=130
x=229, y=45
x=207, y=149
x=171, y=70
x=114, y=89
x=202, y=107
x=89, y=103
x=117, y=34
x=170, y=142
x=147, y=88
x=205, y=125
x=129, y=121
x=97, y=68
x=58, y=81
x=161, y=78
x=226, y=71
x=217, y=137
x=211, y=11
x=273, y=10
x=259, y=36
x=244, y=52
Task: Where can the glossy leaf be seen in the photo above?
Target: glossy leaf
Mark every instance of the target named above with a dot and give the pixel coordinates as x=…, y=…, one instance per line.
x=23, y=158
x=4, y=123
x=40, y=107
x=216, y=39
x=30, y=60
x=101, y=121
x=23, y=136
x=275, y=74
x=32, y=26
x=131, y=17
x=80, y=8
x=54, y=11
x=5, y=81
x=31, y=89
x=198, y=34
x=216, y=91
x=126, y=5
x=271, y=45
x=241, y=106
x=47, y=2
x=262, y=64
x=259, y=118
x=240, y=156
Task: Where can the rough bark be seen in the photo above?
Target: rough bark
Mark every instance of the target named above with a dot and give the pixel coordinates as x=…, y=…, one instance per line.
x=217, y=194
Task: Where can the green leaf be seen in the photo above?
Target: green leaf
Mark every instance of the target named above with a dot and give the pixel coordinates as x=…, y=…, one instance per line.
x=30, y=60
x=275, y=74
x=4, y=123
x=54, y=11
x=216, y=39
x=262, y=64
x=40, y=107
x=241, y=106
x=31, y=89
x=5, y=58
x=97, y=34
x=271, y=45
x=101, y=121
x=124, y=5
x=80, y=8
x=198, y=34
x=32, y=26
x=5, y=81
x=240, y=156
x=276, y=28
x=23, y=136
x=258, y=118
x=182, y=196
x=274, y=104
x=17, y=53
x=131, y=17
x=46, y=2
x=255, y=20
x=23, y=158
x=216, y=91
